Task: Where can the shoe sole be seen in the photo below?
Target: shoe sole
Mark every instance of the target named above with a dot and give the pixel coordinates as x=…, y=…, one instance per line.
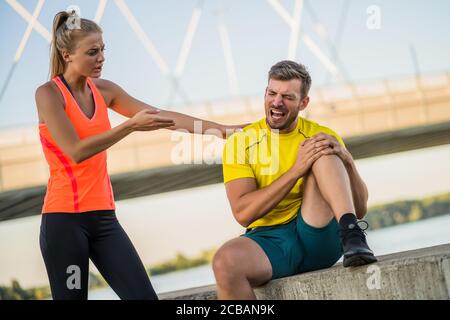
x=358, y=260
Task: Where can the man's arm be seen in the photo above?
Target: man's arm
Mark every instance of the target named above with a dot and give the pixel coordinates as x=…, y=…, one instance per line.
x=359, y=189
x=248, y=203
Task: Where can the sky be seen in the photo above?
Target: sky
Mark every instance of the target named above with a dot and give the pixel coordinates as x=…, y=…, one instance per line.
x=258, y=38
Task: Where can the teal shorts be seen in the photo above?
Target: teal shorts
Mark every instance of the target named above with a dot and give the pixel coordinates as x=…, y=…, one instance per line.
x=297, y=247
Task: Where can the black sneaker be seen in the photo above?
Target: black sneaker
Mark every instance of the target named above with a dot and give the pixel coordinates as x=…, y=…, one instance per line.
x=356, y=251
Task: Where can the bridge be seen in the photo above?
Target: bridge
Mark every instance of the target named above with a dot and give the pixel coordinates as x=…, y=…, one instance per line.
x=374, y=118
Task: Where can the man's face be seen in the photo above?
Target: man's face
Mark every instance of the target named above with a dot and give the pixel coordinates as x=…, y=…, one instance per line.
x=282, y=103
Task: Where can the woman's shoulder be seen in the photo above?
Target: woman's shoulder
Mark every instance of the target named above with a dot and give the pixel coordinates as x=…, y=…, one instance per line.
x=49, y=85
x=47, y=90
x=48, y=99
x=107, y=88
x=103, y=84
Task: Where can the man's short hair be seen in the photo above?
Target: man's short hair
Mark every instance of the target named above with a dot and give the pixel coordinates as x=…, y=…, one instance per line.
x=287, y=70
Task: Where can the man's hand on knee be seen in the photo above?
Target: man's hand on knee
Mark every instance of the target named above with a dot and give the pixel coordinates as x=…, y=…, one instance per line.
x=321, y=140
x=307, y=154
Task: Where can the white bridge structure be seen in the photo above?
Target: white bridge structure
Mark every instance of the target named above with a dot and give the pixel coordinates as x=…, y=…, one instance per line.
x=374, y=117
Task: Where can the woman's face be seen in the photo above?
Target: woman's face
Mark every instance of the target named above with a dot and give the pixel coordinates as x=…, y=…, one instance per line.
x=88, y=57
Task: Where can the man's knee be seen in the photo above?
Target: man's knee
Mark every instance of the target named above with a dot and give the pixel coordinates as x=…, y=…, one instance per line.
x=226, y=263
x=326, y=160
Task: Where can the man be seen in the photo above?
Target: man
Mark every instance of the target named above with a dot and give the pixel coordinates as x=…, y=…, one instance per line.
x=294, y=186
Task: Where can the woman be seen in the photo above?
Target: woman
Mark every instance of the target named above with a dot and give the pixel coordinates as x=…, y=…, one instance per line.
x=78, y=220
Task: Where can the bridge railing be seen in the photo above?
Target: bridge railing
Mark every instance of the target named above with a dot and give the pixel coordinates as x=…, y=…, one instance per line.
x=350, y=109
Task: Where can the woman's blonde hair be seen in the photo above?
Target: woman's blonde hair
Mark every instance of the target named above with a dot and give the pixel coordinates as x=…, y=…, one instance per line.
x=65, y=37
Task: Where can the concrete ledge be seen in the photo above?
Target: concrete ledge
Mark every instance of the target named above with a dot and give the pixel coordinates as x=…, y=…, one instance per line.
x=416, y=274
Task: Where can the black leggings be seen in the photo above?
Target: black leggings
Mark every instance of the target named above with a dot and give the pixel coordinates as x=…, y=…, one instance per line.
x=67, y=242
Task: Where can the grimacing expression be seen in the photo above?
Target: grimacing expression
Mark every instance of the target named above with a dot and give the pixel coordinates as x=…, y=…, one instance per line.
x=283, y=102
x=88, y=57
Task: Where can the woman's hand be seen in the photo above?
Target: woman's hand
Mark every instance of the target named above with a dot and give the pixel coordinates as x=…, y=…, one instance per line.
x=148, y=120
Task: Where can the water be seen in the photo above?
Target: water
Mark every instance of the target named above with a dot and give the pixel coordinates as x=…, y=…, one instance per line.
x=408, y=236
x=189, y=278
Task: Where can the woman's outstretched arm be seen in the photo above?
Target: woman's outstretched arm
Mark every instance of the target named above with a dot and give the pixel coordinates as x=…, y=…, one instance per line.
x=128, y=106
x=51, y=111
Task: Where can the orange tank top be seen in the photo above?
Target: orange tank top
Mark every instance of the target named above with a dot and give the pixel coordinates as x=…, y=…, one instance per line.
x=85, y=186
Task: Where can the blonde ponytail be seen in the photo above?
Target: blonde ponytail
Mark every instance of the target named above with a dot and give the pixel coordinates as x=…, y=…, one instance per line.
x=56, y=60
x=67, y=38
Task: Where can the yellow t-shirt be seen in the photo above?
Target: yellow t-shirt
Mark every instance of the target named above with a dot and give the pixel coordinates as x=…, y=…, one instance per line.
x=259, y=153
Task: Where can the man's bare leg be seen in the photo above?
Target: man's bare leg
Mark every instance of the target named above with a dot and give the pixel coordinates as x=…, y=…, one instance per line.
x=239, y=265
x=333, y=182
x=315, y=210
